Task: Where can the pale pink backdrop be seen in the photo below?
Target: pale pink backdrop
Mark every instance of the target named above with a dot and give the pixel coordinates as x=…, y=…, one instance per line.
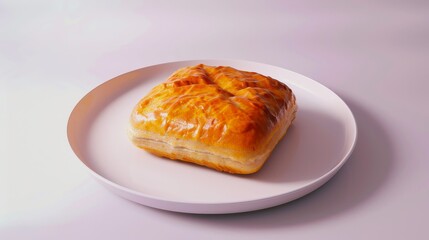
x=373, y=54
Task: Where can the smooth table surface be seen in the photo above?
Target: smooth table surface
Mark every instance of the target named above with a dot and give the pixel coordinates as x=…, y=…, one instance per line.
x=373, y=54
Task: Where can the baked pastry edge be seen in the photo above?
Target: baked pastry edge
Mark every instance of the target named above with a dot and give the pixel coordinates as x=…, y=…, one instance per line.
x=195, y=152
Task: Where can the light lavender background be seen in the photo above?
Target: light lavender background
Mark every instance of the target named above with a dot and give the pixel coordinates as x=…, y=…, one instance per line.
x=373, y=54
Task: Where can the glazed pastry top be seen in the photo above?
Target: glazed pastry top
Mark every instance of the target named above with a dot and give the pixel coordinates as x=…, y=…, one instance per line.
x=218, y=106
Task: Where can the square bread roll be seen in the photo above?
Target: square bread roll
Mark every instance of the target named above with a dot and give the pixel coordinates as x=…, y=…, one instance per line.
x=218, y=117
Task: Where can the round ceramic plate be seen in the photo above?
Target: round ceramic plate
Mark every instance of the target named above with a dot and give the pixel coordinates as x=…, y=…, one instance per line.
x=316, y=146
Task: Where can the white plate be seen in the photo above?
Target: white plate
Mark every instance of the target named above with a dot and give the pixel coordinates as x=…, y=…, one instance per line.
x=315, y=147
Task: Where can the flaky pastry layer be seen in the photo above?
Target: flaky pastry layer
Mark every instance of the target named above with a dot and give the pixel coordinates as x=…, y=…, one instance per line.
x=217, y=117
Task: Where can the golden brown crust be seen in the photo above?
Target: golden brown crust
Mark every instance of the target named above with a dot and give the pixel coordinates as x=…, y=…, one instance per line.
x=219, y=117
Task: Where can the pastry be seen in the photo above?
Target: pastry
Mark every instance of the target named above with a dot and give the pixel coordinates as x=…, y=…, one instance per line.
x=218, y=117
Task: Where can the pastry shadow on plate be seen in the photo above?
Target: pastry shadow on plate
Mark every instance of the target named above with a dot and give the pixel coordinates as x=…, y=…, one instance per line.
x=313, y=145
x=365, y=172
